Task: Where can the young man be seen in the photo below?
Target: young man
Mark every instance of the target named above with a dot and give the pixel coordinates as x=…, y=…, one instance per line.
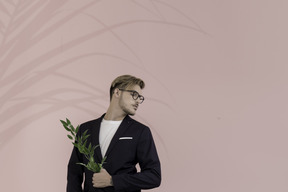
x=124, y=141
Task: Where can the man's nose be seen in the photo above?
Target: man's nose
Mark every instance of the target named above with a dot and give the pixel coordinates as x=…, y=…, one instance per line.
x=138, y=100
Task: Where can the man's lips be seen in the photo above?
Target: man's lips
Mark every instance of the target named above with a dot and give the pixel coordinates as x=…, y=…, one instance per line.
x=135, y=107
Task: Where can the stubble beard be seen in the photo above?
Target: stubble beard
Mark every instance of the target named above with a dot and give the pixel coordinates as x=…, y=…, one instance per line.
x=126, y=110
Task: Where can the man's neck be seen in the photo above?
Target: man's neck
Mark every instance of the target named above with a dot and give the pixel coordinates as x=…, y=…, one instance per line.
x=113, y=115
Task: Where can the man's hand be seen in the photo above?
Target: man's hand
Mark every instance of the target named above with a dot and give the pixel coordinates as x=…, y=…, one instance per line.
x=102, y=179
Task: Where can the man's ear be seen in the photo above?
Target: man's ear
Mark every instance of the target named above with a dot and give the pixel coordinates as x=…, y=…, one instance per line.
x=117, y=92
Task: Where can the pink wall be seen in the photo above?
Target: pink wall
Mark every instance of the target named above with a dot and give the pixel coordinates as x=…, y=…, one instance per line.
x=216, y=95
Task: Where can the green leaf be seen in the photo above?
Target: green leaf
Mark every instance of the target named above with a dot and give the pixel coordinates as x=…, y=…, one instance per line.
x=92, y=153
x=68, y=121
x=84, y=144
x=78, y=139
x=67, y=128
x=97, y=169
x=90, y=166
x=75, y=144
x=72, y=133
x=77, y=129
x=85, y=137
x=84, y=134
x=70, y=137
x=103, y=160
x=86, y=151
x=91, y=159
x=82, y=164
x=63, y=123
x=72, y=128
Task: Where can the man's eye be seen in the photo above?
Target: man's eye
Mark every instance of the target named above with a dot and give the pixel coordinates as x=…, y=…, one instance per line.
x=135, y=94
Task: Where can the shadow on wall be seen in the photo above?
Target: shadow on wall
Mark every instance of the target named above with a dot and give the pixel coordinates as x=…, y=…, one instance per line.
x=26, y=24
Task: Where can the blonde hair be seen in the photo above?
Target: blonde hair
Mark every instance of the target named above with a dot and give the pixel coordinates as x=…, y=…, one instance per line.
x=125, y=81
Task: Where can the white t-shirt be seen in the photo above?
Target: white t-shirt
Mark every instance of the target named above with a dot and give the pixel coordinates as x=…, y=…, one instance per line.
x=107, y=131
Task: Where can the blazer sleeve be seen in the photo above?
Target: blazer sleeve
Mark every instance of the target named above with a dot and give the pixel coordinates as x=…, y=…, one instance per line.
x=75, y=172
x=150, y=175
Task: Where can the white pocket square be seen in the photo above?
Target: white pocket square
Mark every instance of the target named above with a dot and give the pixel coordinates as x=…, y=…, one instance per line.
x=125, y=138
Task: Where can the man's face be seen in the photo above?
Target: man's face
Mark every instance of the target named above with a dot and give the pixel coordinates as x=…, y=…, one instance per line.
x=126, y=101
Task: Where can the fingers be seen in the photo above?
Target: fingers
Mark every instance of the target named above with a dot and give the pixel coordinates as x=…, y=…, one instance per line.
x=103, y=171
x=101, y=179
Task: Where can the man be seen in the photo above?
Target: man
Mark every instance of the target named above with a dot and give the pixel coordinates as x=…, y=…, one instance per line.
x=124, y=141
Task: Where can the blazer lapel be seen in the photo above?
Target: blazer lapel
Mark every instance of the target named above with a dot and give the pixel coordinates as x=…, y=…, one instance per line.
x=123, y=126
x=95, y=130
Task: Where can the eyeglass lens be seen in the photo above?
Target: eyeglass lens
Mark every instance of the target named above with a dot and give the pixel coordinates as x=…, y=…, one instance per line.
x=136, y=95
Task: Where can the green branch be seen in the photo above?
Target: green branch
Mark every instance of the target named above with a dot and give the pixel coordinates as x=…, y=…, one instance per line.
x=80, y=142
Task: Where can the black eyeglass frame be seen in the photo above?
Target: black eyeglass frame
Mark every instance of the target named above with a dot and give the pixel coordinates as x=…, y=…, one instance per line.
x=135, y=95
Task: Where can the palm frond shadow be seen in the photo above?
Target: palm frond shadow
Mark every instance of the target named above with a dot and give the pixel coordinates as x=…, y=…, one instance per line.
x=142, y=67
x=26, y=38
x=18, y=38
x=73, y=43
x=56, y=105
x=3, y=9
x=157, y=12
x=66, y=47
x=26, y=102
x=154, y=12
x=24, y=84
x=11, y=37
x=181, y=13
x=22, y=12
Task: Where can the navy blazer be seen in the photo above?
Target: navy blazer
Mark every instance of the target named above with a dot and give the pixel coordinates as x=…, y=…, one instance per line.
x=132, y=143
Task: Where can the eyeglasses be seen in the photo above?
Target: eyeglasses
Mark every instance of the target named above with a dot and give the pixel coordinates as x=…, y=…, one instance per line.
x=135, y=95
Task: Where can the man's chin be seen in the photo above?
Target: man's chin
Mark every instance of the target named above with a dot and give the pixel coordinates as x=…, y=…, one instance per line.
x=132, y=114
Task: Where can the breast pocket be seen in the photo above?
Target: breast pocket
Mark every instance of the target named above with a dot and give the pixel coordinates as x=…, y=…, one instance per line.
x=125, y=138
x=126, y=145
